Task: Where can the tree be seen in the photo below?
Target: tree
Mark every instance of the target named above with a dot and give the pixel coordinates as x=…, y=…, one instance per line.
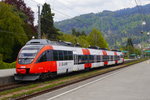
x=96, y=38
x=129, y=43
x=21, y=6
x=26, y=14
x=12, y=35
x=47, y=23
x=73, y=31
x=130, y=46
x=68, y=38
x=82, y=40
x=83, y=33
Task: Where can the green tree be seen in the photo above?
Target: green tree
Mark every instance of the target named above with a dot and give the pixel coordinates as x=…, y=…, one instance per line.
x=47, y=23
x=129, y=46
x=12, y=34
x=26, y=14
x=82, y=40
x=96, y=38
x=129, y=43
x=77, y=33
x=83, y=33
x=74, y=31
x=68, y=38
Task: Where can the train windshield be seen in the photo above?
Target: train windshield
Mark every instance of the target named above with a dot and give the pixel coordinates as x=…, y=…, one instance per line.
x=27, y=54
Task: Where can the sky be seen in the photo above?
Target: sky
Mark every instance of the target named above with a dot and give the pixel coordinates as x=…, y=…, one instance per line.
x=65, y=9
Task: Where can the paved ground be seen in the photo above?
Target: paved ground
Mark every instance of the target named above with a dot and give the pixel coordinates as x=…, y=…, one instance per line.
x=7, y=72
x=131, y=83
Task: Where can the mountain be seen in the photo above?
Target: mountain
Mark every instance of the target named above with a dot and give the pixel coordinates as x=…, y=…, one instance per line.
x=116, y=26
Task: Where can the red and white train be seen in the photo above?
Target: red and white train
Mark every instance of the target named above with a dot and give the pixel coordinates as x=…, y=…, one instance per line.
x=41, y=58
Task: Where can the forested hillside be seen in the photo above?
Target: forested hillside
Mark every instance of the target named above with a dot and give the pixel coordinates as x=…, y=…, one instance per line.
x=115, y=25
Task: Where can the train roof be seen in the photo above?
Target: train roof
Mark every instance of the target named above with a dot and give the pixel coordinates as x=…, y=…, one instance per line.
x=61, y=43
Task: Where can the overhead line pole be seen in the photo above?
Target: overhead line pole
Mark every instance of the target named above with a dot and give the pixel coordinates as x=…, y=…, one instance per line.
x=39, y=23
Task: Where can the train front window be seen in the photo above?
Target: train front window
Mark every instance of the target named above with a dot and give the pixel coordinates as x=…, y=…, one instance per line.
x=27, y=54
x=25, y=60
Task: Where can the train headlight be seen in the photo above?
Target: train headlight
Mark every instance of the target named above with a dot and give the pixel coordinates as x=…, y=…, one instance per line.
x=22, y=66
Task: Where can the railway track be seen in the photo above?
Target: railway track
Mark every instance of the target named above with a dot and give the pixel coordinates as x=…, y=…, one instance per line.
x=25, y=97
x=14, y=85
x=9, y=86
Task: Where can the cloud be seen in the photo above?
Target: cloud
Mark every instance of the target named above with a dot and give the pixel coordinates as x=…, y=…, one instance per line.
x=64, y=9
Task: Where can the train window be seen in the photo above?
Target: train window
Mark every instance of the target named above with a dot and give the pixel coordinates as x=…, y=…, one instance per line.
x=118, y=57
x=49, y=55
x=83, y=59
x=121, y=56
x=95, y=58
x=55, y=55
x=25, y=60
x=70, y=55
x=98, y=58
x=61, y=55
x=91, y=58
x=105, y=58
x=79, y=59
x=110, y=58
x=66, y=55
x=43, y=57
x=86, y=58
x=101, y=58
x=75, y=59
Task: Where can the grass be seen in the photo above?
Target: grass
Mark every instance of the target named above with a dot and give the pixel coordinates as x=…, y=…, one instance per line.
x=61, y=81
x=33, y=91
x=4, y=65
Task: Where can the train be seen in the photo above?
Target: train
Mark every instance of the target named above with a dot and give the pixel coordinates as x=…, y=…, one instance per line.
x=42, y=58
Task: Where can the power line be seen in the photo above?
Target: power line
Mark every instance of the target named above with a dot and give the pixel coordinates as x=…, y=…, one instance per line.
x=140, y=10
x=57, y=11
x=142, y=14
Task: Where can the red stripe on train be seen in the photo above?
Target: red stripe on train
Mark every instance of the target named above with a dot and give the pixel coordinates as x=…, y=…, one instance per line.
x=87, y=65
x=105, y=54
x=106, y=63
x=86, y=52
x=115, y=53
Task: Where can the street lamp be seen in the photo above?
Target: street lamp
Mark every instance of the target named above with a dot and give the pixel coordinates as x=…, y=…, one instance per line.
x=148, y=33
x=143, y=23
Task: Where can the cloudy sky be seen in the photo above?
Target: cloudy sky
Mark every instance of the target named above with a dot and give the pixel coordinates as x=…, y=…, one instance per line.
x=65, y=9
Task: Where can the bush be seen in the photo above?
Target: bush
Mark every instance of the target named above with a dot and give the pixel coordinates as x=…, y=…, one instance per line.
x=4, y=65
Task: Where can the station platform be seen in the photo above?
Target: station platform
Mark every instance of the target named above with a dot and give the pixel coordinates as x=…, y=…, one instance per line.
x=129, y=83
x=7, y=76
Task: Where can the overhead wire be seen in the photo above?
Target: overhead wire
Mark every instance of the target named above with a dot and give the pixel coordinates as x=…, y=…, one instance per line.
x=140, y=10
x=143, y=12
x=61, y=13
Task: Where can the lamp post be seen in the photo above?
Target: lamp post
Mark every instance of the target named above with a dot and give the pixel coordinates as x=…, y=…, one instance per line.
x=143, y=23
x=148, y=33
